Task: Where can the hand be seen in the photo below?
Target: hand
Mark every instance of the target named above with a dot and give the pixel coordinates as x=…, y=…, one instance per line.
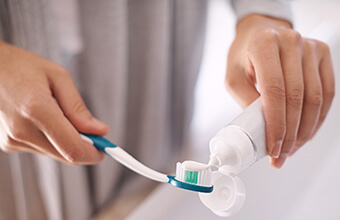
x=41, y=111
x=294, y=76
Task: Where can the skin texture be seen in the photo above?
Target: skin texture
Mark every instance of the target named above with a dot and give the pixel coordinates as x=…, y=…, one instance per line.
x=294, y=76
x=41, y=111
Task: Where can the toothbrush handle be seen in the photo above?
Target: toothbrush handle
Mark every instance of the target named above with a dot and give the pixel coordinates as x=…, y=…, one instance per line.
x=123, y=157
x=98, y=141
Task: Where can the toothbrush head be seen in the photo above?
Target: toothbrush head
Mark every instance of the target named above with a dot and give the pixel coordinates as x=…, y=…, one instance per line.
x=192, y=176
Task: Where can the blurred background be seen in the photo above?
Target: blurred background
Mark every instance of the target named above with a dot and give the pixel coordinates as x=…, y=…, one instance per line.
x=307, y=187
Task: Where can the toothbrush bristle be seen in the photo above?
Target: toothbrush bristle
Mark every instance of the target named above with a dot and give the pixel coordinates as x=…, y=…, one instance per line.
x=202, y=177
x=191, y=176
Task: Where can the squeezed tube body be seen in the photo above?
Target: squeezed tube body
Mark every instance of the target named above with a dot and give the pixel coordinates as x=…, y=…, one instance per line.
x=241, y=143
x=252, y=122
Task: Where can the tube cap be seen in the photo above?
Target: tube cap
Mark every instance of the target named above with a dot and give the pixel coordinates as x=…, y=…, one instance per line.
x=228, y=195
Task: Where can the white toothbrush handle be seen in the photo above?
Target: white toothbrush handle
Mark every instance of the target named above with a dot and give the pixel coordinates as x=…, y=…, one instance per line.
x=124, y=158
x=130, y=162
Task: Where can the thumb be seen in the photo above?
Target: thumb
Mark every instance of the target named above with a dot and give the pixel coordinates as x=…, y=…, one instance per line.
x=241, y=87
x=73, y=106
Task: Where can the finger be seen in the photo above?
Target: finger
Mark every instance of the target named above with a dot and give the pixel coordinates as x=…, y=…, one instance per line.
x=241, y=85
x=291, y=58
x=27, y=139
x=22, y=131
x=61, y=134
x=327, y=82
x=9, y=145
x=73, y=105
x=264, y=56
x=20, y=147
x=312, y=95
x=15, y=146
x=38, y=141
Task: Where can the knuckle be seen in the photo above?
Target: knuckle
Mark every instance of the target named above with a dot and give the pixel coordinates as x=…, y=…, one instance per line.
x=31, y=108
x=61, y=70
x=314, y=100
x=61, y=74
x=79, y=107
x=330, y=92
x=324, y=47
x=266, y=35
x=309, y=46
x=292, y=36
x=276, y=90
x=295, y=97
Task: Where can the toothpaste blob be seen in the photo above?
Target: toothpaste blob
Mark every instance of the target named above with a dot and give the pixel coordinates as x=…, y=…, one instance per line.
x=194, y=166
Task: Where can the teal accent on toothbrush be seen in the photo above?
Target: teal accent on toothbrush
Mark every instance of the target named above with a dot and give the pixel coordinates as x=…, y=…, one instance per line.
x=190, y=186
x=99, y=142
x=192, y=180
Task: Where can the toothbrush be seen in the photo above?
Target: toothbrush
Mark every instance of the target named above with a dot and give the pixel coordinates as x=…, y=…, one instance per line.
x=190, y=175
x=232, y=149
x=223, y=194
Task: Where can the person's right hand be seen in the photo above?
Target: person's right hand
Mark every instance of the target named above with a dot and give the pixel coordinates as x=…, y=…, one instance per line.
x=293, y=75
x=41, y=110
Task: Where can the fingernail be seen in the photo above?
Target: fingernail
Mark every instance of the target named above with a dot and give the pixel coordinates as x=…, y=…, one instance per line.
x=281, y=160
x=276, y=150
x=98, y=123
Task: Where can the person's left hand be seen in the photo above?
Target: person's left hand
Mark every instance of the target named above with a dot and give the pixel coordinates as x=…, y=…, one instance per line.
x=294, y=76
